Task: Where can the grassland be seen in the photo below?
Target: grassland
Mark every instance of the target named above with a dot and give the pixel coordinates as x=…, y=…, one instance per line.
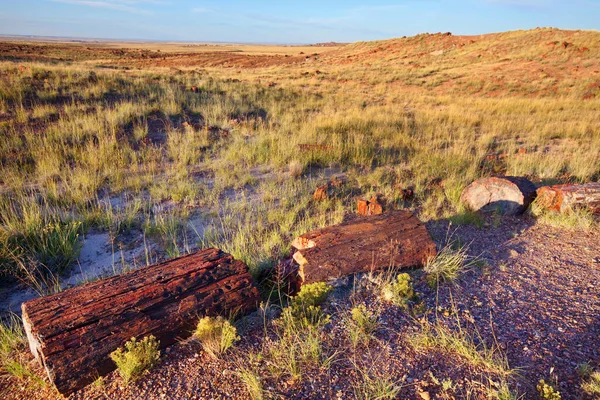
x=137, y=142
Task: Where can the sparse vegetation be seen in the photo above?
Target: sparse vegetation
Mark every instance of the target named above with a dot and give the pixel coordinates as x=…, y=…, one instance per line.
x=361, y=325
x=12, y=361
x=136, y=358
x=459, y=342
x=217, y=335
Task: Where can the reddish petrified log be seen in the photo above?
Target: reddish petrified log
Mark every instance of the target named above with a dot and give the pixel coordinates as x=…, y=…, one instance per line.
x=72, y=333
x=313, y=147
x=329, y=189
x=363, y=244
x=565, y=197
x=370, y=207
x=508, y=195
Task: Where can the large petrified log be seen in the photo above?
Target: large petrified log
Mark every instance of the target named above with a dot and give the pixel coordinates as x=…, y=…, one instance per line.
x=72, y=333
x=363, y=244
x=508, y=195
x=565, y=197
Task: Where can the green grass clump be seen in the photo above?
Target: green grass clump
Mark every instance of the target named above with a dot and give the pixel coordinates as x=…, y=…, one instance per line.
x=579, y=218
x=253, y=383
x=399, y=291
x=136, y=358
x=547, y=391
x=376, y=384
x=467, y=218
x=35, y=236
x=217, y=335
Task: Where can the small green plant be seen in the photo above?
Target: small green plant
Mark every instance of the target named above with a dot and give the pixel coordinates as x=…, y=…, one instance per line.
x=448, y=265
x=362, y=324
x=592, y=384
x=501, y=391
x=217, y=335
x=99, y=383
x=547, y=391
x=304, y=309
x=399, y=291
x=136, y=358
x=299, y=343
x=313, y=294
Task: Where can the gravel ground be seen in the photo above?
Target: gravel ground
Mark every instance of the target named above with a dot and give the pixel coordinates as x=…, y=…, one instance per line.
x=536, y=295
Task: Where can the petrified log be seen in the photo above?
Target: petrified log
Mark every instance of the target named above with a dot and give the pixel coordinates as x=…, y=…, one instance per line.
x=508, y=195
x=313, y=147
x=363, y=244
x=73, y=332
x=329, y=189
x=565, y=197
x=370, y=207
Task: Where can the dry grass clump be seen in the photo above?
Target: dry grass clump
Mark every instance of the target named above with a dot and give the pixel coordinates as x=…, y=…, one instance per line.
x=448, y=264
x=12, y=346
x=570, y=219
x=216, y=335
x=592, y=384
x=136, y=358
x=459, y=342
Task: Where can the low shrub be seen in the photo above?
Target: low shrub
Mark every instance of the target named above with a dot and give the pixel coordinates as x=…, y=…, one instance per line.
x=399, y=291
x=217, y=335
x=136, y=358
x=547, y=391
x=313, y=294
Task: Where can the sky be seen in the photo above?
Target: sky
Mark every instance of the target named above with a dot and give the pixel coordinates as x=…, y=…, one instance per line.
x=306, y=21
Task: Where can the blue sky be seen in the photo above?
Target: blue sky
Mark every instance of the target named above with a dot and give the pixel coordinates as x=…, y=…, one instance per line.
x=283, y=21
